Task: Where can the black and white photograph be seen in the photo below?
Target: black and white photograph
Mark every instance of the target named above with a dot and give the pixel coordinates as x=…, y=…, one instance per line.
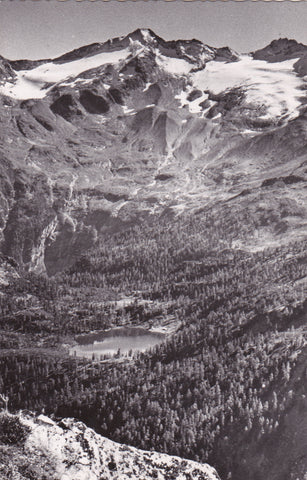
x=153, y=234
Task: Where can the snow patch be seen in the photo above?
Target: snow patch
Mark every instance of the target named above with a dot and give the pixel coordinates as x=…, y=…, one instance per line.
x=128, y=111
x=79, y=81
x=218, y=115
x=147, y=87
x=146, y=35
x=175, y=66
x=182, y=96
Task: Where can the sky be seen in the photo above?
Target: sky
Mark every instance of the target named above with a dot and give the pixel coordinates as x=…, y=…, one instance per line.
x=37, y=29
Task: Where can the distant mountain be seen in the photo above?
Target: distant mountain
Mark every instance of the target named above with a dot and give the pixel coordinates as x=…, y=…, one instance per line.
x=114, y=132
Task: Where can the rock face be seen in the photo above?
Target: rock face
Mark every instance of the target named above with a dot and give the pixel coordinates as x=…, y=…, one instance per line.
x=110, y=134
x=69, y=450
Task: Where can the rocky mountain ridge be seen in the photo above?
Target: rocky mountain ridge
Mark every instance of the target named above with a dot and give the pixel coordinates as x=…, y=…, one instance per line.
x=68, y=450
x=114, y=133
x=191, y=50
x=280, y=50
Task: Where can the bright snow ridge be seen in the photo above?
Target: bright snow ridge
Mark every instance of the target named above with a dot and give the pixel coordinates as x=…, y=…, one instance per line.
x=30, y=83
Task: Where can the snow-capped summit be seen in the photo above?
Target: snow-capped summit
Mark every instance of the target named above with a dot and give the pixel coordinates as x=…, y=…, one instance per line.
x=136, y=125
x=271, y=86
x=25, y=79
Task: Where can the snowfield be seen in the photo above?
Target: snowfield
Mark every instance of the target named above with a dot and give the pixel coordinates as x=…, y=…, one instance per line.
x=272, y=85
x=31, y=83
x=273, y=88
x=175, y=66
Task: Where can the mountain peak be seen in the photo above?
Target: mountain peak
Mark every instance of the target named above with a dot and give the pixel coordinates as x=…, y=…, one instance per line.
x=280, y=49
x=143, y=33
x=284, y=42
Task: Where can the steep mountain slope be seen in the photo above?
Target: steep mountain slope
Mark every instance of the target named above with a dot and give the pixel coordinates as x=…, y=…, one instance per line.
x=110, y=133
x=68, y=450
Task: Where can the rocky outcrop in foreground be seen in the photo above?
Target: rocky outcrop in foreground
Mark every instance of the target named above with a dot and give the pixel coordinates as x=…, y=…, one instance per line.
x=69, y=450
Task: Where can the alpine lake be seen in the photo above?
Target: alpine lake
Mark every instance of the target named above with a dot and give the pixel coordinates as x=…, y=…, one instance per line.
x=116, y=341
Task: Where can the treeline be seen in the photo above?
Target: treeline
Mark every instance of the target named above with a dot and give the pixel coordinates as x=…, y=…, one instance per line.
x=165, y=271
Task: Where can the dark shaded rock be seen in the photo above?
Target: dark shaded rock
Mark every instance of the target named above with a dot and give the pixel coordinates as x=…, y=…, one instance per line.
x=301, y=66
x=65, y=106
x=226, y=54
x=116, y=96
x=194, y=95
x=93, y=103
x=163, y=177
x=289, y=180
